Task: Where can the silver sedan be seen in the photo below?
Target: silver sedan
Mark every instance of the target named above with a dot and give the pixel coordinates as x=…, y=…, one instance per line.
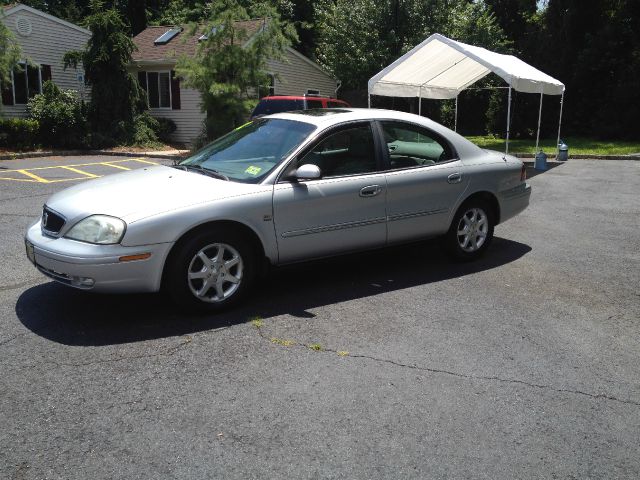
x=281, y=189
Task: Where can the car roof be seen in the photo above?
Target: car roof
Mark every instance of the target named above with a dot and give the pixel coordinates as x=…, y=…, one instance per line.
x=297, y=97
x=329, y=116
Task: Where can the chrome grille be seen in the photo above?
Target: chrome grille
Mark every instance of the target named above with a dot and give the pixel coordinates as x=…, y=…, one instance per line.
x=51, y=221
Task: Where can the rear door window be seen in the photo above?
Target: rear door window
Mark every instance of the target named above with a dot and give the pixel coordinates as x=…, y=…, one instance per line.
x=414, y=146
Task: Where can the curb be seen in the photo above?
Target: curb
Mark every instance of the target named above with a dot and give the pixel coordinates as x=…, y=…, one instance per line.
x=71, y=153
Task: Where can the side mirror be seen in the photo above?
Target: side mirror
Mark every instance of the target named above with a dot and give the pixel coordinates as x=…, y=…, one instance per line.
x=307, y=172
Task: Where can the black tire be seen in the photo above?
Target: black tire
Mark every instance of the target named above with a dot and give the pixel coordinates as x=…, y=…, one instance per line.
x=183, y=263
x=469, y=216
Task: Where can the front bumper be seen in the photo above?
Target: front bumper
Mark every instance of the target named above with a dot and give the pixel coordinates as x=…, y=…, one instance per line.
x=96, y=267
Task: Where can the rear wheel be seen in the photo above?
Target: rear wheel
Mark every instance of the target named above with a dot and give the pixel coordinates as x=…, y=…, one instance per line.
x=471, y=231
x=211, y=271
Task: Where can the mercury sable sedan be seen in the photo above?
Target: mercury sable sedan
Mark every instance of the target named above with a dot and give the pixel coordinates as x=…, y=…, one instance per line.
x=283, y=188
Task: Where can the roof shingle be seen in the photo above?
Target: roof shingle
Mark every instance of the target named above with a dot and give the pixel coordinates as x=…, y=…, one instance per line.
x=182, y=44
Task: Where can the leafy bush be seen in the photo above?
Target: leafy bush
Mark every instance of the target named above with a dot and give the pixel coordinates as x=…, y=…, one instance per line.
x=144, y=130
x=19, y=133
x=166, y=127
x=61, y=117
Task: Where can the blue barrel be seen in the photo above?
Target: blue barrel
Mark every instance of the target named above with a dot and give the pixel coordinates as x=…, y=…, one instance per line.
x=541, y=161
x=563, y=152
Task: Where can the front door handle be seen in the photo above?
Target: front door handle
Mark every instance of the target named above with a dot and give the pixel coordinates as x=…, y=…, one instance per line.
x=454, y=178
x=370, y=191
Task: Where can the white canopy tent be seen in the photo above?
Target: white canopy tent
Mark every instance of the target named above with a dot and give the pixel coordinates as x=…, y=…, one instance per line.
x=441, y=68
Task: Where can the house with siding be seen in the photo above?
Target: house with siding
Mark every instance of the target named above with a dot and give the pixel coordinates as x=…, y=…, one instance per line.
x=159, y=48
x=43, y=39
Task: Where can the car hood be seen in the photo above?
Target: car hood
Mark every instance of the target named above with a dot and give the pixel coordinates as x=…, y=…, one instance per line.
x=145, y=192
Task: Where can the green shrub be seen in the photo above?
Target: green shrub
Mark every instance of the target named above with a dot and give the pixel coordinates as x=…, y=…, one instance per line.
x=18, y=133
x=166, y=127
x=61, y=116
x=144, y=130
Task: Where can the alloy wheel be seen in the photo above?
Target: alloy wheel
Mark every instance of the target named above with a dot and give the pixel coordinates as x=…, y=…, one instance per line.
x=473, y=229
x=215, y=272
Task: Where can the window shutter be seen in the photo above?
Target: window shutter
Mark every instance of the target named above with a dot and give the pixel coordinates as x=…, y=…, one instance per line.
x=45, y=71
x=142, y=80
x=7, y=93
x=175, y=91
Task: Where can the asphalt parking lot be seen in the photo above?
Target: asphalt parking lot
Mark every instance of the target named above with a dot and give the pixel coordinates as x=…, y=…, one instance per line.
x=393, y=364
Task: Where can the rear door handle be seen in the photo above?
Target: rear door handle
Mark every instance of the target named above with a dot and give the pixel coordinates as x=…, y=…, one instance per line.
x=370, y=191
x=454, y=178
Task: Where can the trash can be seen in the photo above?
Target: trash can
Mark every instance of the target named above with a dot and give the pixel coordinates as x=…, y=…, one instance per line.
x=563, y=152
x=541, y=161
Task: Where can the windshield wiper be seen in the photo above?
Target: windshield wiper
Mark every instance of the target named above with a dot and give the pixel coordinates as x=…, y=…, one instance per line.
x=203, y=170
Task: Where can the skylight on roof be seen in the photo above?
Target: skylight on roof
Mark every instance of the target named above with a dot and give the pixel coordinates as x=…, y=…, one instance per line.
x=214, y=30
x=167, y=36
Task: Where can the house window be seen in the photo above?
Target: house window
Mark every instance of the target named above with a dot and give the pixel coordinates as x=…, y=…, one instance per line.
x=270, y=89
x=158, y=87
x=26, y=82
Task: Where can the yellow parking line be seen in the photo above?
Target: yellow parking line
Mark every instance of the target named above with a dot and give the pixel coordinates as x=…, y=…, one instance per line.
x=32, y=175
x=144, y=161
x=80, y=165
x=19, y=180
x=108, y=164
x=69, y=179
x=81, y=172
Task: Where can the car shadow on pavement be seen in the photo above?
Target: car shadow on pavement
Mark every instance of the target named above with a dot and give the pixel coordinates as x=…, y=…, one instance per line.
x=73, y=317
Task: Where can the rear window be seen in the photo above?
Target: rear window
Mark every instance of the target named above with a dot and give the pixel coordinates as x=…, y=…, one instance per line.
x=267, y=107
x=314, y=103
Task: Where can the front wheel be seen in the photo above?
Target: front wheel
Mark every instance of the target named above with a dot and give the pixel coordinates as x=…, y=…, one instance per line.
x=471, y=231
x=211, y=271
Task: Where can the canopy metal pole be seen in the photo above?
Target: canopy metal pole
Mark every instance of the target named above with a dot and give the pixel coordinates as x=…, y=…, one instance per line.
x=455, y=121
x=559, y=126
x=539, y=120
x=508, y=121
x=420, y=101
x=369, y=100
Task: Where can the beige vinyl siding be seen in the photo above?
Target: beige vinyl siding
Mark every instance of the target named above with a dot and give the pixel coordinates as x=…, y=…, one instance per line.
x=47, y=43
x=296, y=75
x=189, y=119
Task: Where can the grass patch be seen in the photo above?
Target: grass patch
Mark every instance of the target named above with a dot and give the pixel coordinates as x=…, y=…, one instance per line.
x=315, y=346
x=343, y=353
x=257, y=322
x=284, y=343
x=577, y=145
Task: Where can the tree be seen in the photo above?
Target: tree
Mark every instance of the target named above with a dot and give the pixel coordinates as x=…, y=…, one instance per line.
x=230, y=61
x=116, y=96
x=9, y=55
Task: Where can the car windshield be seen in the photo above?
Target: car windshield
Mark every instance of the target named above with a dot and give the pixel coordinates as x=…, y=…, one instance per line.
x=251, y=151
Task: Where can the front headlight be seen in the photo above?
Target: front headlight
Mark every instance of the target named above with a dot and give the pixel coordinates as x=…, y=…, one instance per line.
x=100, y=229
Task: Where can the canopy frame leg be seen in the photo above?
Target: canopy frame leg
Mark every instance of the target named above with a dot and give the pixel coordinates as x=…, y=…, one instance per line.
x=455, y=118
x=506, y=147
x=559, y=126
x=369, y=100
x=420, y=101
x=539, y=121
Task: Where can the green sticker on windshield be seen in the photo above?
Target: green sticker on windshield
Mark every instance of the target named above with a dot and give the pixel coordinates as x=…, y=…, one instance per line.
x=253, y=170
x=242, y=126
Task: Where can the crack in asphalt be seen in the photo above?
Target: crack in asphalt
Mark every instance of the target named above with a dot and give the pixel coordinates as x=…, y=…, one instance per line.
x=167, y=353
x=11, y=339
x=450, y=372
x=4, y=288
